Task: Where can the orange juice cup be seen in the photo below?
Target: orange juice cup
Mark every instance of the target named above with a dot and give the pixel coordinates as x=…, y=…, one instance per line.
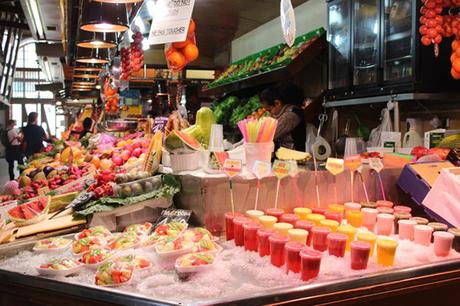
x=348, y=230
x=386, y=250
x=355, y=218
x=330, y=224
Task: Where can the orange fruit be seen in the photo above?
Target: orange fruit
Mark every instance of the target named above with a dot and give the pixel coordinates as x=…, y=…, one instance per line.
x=96, y=162
x=455, y=74
x=453, y=57
x=192, y=26
x=457, y=52
x=455, y=44
x=191, y=52
x=180, y=44
x=176, y=59
x=456, y=65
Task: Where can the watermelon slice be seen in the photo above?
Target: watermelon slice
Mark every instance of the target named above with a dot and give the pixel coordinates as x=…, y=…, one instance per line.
x=188, y=141
x=221, y=157
x=30, y=213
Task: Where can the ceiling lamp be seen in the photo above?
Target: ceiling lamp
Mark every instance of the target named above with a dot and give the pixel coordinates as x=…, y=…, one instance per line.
x=119, y=1
x=87, y=68
x=84, y=82
x=92, y=56
x=103, y=17
x=86, y=75
x=96, y=40
x=81, y=89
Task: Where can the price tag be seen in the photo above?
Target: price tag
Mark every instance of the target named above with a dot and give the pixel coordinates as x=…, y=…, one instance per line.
x=335, y=165
x=288, y=21
x=376, y=164
x=232, y=167
x=280, y=169
x=261, y=169
x=353, y=162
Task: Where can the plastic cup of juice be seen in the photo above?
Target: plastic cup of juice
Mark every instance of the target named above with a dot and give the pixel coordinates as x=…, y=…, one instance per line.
x=336, y=244
x=310, y=263
x=386, y=250
x=229, y=216
x=254, y=214
x=369, y=238
x=385, y=224
x=298, y=235
x=282, y=228
x=422, y=234
x=277, y=243
x=406, y=229
x=383, y=203
x=337, y=216
x=238, y=230
x=385, y=210
x=369, y=217
x=360, y=251
x=262, y=241
x=250, y=236
x=355, y=218
x=319, y=238
x=275, y=212
x=351, y=206
x=267, y=221
x=292, y=254
x=456, y=232
x=330, y=224
x=315, y=218
x=306, y=225
x=348, y=230
x=337, y=208
x=289, y=218
x=402, y=209
x=302, y=212
x=368, y=204
x=318, y=210
x=442, y=243
x=400, y=216
x=437, y=227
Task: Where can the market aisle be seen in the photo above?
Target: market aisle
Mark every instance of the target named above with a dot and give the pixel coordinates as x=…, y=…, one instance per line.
x=4, y=177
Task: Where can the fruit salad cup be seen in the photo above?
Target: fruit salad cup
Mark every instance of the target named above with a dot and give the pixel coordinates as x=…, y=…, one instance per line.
x=114, y=274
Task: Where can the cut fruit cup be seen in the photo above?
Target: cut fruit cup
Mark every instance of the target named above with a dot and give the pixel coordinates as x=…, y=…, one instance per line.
x=114, y=274
x=97, y=231
x=139, y=229
x=52, y=245
x=140, y=263
x=83, y=246
x=74, y=268
x=194, y=262
x=103, y=255
x=125, y=242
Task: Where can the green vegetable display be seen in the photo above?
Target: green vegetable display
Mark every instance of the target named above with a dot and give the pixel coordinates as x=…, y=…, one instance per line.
x=224, y=109
x=244, y=110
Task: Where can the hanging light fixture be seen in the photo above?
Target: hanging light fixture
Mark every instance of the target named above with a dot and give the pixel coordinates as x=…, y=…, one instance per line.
x=85, y=75
x=92, y=56
x=119, y=1
x=99, y=40
x=87, y=68
x=103, y=17
x=83, y=82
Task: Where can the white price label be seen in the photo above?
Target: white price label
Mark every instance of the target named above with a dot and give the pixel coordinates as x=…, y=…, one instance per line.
x=261, y=169
x=376, y=164
x=232, y=167
x=335, y=165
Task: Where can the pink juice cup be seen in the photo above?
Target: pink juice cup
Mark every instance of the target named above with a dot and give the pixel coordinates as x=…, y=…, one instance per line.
x=277, y=243
x=402, y=209
x=422, y=234
x=385, y=210
x=292, y=255
x=319, y=238
x=263, y=243
x=385, y=224
x=229, y=216
x=250, y=236
x=369, y=218
x=382, y=203
x=337, y=244
x=290, y=218
x=310, y=263
x=319, y=211
x=238, y=230
x=331, y=215
x=275, y=212
x=406, y=229
x=306, y=225
x=442, y=243
x=360, y=251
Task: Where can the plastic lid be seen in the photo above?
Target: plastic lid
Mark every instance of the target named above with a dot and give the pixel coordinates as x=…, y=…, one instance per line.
x=265, y=232
x=321, y=229
x=254, y=213
x=420, y=220
x=455, y=231
x=409, y=222
x=438, y=226
x=384, y=203
x=369, y=204
x=385, y=216
x=366, y=236
x=352, y=205
x=349, y=229
x=444, y=234
x=385, y=210
x=402, y=209
x=302, y=210
x=370, y=210
x=241, y=220
x=304, y=224
x=328, y=222
x=297, y=232
x=277, y=238
x=315, y=217
x=387, y=243
x=251, y=225
x=290, y=217
x=403, y=215
x=337, y=236
x=424, y=228
x=294, y=246
x=268, y=219
x=362, y=245
x=274, y=211
x=310, y=253
x=283, y=225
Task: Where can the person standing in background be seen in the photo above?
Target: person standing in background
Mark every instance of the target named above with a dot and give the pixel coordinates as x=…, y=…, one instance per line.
x=13, y=149
x=34, y=135
x=192, y=104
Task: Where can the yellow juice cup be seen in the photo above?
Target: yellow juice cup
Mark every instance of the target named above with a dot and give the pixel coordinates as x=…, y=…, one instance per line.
x=386, y=250
x=355, y=218
x=282, y=228
x=299, y=235
x=368, y=237
x=316, y=218
x=302, y=212
x=348, y=230
x=267, y=221
x=331, y=224
x=254, y=215
x=337, y=208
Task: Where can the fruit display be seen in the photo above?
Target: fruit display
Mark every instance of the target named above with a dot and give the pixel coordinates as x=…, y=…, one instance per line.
x=97, y=231
x=174, y=245
x=138, y=187
x=112, y=98
x=244, y=110
x=164, y=232
x=52, y=244
x=59, y=267
x=139, y=262
x=86, y=244
x=132, y=58
x=125, y=241
x=273, y=58
x=288, y=154
x=139, y=229
x=95, y=256
x=30, y=212
x=198, y=233
x=179, y=54
x=194, y=260
x=114, y=274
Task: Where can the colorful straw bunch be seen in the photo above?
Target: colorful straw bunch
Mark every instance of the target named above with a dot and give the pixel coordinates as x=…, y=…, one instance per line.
x=258, y=131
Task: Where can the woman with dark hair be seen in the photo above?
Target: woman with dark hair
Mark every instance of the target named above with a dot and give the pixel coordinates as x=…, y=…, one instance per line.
x=284, y=104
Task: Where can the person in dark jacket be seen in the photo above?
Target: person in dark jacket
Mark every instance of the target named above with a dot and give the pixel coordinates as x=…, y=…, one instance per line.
x=34, y=135
x=13, y=150
x=87, y=127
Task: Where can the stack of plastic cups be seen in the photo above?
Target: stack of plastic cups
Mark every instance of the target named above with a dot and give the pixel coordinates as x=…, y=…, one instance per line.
x=319, y=238
x=292, y=255
x=337, y=243
x=310, y=263
x=369, y=218
x=406, y=229
x=250, y=236
x=385, y=224
x=263, y=243
x=302, y=212
x=277, y=243
x=306, y=225
x=290, y=218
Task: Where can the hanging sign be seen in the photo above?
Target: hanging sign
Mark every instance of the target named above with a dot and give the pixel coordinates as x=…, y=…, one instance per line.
x=261, y=169
x=232, y=167
x=170, y=20
x=288, y=25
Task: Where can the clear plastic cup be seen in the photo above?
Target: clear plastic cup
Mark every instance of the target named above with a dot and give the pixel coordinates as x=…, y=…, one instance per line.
x=229, y=216
x=422, y=234
x=238, y=230
x=368, y=237
x=216, y=140
x=250, y=236
x=298, y=235
x=336, y=244
x=386, y=251
x=290, y=218
x=292, y=254
x=351, y=206
x=385, y=224
x=360, y=251
x=310, y=263
x=282, y=228
x=355, y=218
x=319, y=238
x=406, y=229
x=262, y=241
x=348, y=230
x=267, y=221
x=442, y=243
x=369, y=217
x=258, y=151
x=306, y=225
x=277, y=243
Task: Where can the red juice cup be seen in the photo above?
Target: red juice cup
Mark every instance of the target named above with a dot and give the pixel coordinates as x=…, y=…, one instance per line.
x=402, y=209
x=275, y=212
x=306, y=225
x=250, y=236
x=289, y=218
x=382, y=203
x=229, y=216
x=277, y=243
x=337, y=244
x=360, y=254
x=238, y=230
x=263, y=243
x=310, y=263
x=319, y=239
x=334, y=216
x=319, y=211
x=292, y=252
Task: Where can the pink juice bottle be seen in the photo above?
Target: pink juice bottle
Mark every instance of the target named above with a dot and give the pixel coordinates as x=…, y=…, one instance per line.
x=360, y=251
x=306, y=225
x=250, y=236
x=292, y=250
x=277, y=243
x=238, y=230
x=319, y=239
x=310, y=263
x=337, y=244
x=263, y=243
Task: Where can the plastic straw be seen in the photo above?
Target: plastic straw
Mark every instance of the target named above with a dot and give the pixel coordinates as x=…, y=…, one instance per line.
x=258, y=131
x=277, y=192
x=352, y=177
x=315, y=164
x=364, y=187
x=257, y=194
x=381, y=186
x=231, y=196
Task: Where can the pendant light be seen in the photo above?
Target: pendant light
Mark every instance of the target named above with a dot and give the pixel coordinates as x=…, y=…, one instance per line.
x=85, y=75
x=100, y=40
x=119, y=1
x=83, y=82
x=92, y=56
x=87, y=68
x=103, y=17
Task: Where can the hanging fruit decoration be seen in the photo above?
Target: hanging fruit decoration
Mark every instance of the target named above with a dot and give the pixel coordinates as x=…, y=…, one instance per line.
x=132, y=58
x=179, y=54
x=112, y=98
x=440, y=19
